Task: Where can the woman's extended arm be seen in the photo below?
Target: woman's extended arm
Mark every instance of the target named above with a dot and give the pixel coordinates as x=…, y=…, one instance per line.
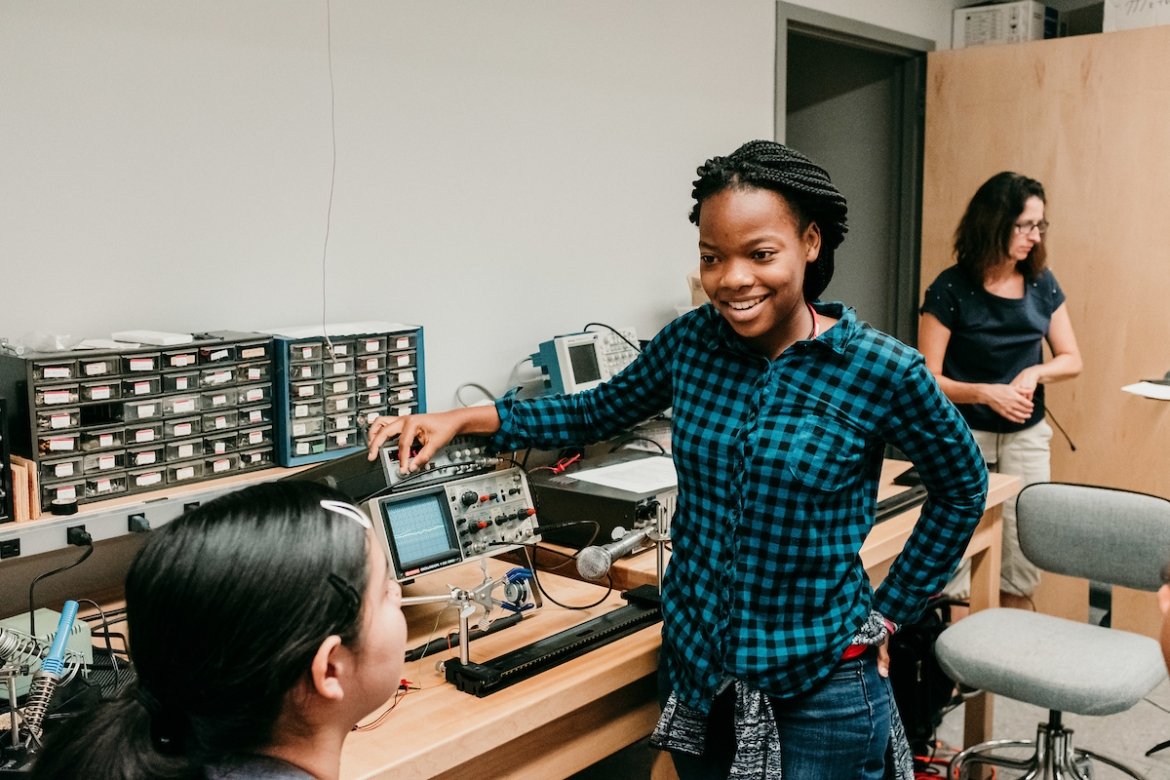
x=427, y=433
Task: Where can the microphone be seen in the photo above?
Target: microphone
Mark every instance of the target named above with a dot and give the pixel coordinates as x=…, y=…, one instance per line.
x=594, y=562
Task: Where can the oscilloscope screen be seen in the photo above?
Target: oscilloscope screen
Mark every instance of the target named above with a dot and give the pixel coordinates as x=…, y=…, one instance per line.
x=419, y=532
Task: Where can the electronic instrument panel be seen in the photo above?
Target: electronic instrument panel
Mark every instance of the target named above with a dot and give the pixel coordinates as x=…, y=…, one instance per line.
x=454, y=520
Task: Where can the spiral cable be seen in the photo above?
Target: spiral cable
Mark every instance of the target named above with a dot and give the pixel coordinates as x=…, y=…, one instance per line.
x=44, y=684
x=18, y=649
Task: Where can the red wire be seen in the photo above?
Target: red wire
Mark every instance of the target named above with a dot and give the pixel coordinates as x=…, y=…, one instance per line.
x=564, y=463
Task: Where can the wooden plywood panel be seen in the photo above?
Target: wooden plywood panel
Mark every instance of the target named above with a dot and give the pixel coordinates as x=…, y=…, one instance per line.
x=1090, y=118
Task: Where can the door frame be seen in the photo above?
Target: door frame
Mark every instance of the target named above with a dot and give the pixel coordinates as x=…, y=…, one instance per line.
x=906, y=194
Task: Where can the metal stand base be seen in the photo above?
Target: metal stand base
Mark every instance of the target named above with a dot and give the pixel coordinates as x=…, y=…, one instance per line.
x=1053, y=756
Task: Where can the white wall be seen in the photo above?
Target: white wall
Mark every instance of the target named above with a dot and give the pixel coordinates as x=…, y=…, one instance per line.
x=930, y=19
x=505, y=170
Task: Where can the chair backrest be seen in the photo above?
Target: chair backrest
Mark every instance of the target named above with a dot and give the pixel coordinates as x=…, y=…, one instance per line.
x=1112, y=536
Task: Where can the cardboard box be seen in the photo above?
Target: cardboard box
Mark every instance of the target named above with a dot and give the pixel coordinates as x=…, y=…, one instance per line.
x=989, y=24
x=1128, y=15
x=698, y=297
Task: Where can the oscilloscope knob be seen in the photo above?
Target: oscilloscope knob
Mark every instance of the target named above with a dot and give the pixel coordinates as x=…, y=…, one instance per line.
x=469, y=498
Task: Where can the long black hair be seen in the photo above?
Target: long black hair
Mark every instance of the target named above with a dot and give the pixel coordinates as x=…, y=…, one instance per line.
x=802, y=183
x=227, y=605
x=984, y=235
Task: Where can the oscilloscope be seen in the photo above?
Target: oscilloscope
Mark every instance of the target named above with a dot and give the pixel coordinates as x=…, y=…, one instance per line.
x=581, y=361
x=460, y=519
x=460, y=506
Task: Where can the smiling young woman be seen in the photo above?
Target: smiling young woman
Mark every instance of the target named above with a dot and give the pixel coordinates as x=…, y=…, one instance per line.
x=773, y=652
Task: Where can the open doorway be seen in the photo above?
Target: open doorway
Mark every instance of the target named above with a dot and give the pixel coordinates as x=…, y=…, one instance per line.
x=850, y=96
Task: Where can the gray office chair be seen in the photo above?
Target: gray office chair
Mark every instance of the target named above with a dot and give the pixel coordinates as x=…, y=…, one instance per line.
x=1111, y=536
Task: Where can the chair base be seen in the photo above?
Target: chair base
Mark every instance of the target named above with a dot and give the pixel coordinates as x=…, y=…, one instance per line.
x=1053, y=756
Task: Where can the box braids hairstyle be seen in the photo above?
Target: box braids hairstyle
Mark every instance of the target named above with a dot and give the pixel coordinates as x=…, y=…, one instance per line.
x=804, y=184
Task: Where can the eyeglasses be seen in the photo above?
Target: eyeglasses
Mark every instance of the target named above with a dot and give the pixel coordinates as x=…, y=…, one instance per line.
x=1024, y=228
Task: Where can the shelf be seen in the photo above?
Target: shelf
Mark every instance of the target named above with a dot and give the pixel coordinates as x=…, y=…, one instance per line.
x=112, y=518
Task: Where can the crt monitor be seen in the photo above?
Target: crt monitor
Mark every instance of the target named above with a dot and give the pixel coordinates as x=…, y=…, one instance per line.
x=573, y=362
x=583, y=359
x=418, y=532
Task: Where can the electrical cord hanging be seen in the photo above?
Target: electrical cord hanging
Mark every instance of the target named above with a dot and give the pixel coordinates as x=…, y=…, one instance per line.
x=487, y=393
x=625, y=442
x=547, y=595
x=422, y=651
x=535, y=549
x=1059, y=427
x=332, y=170
x=474, y=386
x=404, y=687
x=618, y=333
x=32, y=621
x=105, y=624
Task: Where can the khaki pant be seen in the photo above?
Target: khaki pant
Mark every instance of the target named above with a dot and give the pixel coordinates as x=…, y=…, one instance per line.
x=1024, y=454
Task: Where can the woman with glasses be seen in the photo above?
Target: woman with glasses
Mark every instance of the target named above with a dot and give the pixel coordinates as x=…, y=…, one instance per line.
x=982, y=330
x=262, y=627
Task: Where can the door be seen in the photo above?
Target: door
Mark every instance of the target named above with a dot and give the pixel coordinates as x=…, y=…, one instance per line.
x=852, y=100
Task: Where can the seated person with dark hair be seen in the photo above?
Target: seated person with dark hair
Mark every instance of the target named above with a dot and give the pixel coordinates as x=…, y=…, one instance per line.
x=262, y=626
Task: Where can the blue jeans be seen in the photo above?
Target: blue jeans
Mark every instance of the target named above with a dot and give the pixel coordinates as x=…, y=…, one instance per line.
x=840, y=730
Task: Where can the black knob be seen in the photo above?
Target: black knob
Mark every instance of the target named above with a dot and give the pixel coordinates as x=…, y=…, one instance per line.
x=469, y=498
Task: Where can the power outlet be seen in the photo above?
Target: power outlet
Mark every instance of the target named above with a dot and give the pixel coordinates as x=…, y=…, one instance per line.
x=10, y=548
x=76, y=534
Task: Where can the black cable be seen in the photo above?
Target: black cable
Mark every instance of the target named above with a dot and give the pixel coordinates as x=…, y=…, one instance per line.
x=1059, y=427
x=106, y=634
x=568, y=558
x=547, y=595
x=620, y=335
x=418, y=474
x=110, y=614
x=631, y=439
x=510, y=459
x=542, y=529
x=32, y=621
